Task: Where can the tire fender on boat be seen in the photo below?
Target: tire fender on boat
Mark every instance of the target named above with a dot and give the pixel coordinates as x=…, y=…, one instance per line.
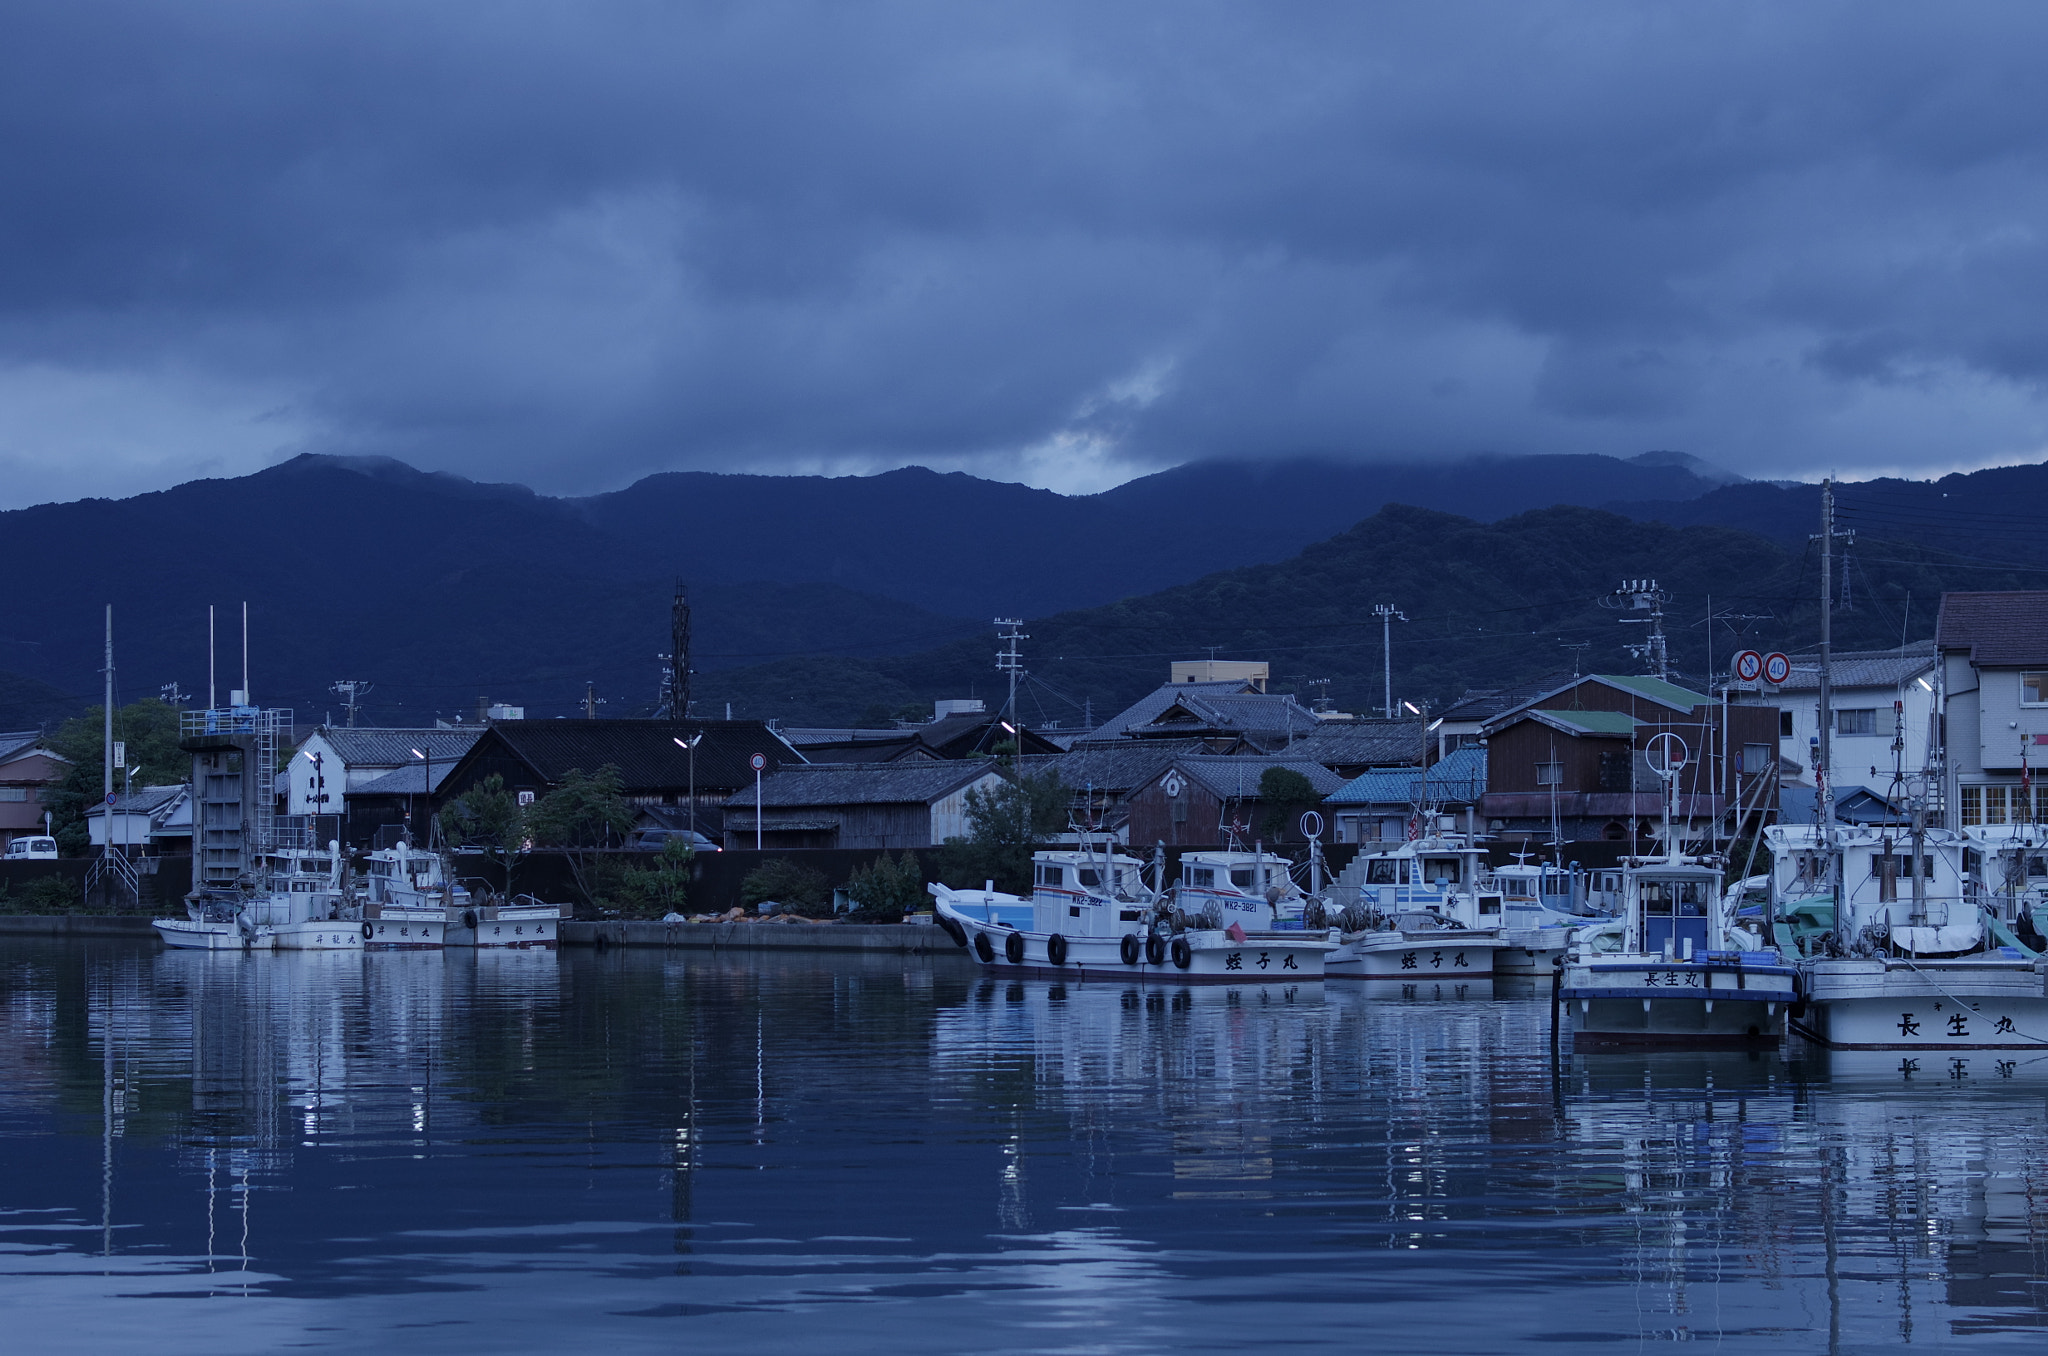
x=1056, y=949
x=953, y=929
x=469, y=919
x=1129, y=949
x=1155, y=949
x=1183, y=954
x=1013, y=948
x=984, y=949
x=368, y=932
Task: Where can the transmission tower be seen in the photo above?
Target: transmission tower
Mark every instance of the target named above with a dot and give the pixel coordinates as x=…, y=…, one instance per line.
x=351, y=691
x=1642, y=596
x=675, y=675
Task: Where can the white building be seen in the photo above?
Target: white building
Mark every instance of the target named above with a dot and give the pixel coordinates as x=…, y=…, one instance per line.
x=1994, y=657
x=334, y=762
x=1873, y=692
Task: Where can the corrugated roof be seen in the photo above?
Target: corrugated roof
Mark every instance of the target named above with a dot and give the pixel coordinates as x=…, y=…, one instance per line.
x=2000, y=630
x=916, y=783
x=392, y=747
x=1590, y=722
x=1656, y=689
x=1459, y=775
x=646, y=752
x=1864, y=668
x=1235, y=776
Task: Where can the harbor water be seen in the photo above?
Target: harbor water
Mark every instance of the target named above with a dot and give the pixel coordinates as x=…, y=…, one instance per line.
x=625, y=1151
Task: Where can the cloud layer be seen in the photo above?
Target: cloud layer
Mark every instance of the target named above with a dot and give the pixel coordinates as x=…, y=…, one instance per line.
x=571, y=245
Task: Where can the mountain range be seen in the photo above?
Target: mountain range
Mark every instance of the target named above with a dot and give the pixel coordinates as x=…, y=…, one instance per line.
x=824, y=599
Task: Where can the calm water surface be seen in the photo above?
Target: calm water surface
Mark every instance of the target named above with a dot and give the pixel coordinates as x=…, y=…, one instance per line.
x=627, y=1151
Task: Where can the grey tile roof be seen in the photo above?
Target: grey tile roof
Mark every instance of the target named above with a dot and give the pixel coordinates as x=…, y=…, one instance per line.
x=645, y=751
x=2000, y=630
x=1864, y=668
x=1114, y=770
x=366, y=747
x=1364, y=743
x=18, y=744
x=405, y=781
x=147, y=800
x=822, y=784
x=1147, y=708
x=1232, y=776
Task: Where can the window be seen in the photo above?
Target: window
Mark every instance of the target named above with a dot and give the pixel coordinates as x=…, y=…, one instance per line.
x=1089, y=879
x=1242, y=878
x=1862, y=721
x=1179, y=809
x=1202, y=876
x=14, y=793
x=1758, y=758
x=2034, y=689
x=1440, y=870
x=1051, y=875
x=1994, y=805
x=1550, y=774
x=1973, y=806
x=1784, y=724
x=1380, y=871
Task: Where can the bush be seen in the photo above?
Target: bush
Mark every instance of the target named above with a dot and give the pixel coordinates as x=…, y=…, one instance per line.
x=652, y=891
x=798, y=888
x=885, y=890
x=43, y=895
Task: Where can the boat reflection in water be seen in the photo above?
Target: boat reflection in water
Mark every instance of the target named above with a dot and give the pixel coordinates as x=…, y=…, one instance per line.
x=639, y=1150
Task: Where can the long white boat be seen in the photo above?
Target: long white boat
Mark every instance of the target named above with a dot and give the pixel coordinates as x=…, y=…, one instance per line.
x=1427, y=908
x=305, y=908
x=1674, y=969
x=411, y=893
x=1092, y=916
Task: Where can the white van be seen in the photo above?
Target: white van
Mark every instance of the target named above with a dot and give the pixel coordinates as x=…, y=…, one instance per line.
x=32, y=849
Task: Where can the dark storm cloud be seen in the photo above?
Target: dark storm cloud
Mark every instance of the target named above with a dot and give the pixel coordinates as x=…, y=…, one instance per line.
x=571, y=244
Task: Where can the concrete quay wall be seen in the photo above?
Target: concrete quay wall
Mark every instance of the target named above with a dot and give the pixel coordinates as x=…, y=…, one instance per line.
x=75, y=925
x=906, y=939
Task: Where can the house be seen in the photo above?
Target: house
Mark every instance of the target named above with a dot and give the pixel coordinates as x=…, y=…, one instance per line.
x=913, y=804
x=1463, y=723
x=1103, y=777
x=336, y=762
x=1226, y=716
x=1580, y=764
x=149, y=821
x=1993, y=650
x=1204, y=799
x=27, y=769
x=1349, y=748
x=1383, y=804
x=965, y=734
x=657, y=761
x=1872, y=692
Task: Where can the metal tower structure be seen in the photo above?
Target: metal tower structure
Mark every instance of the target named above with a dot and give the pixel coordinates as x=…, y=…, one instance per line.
x=1009, y=661
x=1388, y=615
x=1644, y=597
x=675, y=675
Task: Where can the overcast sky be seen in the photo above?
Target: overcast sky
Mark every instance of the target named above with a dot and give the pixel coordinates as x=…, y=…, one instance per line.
x=576, y=243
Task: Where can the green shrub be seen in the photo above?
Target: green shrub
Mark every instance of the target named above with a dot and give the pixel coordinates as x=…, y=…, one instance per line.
x=885, y=890
x=798, y=888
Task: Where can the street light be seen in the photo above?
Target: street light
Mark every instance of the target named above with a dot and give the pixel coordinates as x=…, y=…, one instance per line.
x=691, y=746
x=427, y=785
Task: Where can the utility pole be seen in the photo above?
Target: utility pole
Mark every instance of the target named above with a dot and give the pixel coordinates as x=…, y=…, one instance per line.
x=1643, y=595
x=1388, y=615
x=1009, y=661
x=351, y=691
x=1823, y=763
x=591, y=701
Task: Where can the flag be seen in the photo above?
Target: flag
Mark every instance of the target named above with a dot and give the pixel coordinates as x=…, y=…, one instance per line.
x=1235, y=933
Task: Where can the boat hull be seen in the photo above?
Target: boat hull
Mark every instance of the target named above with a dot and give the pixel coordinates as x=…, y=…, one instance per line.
x=1530, y=951
x=413, y=930
x=1194, y=957
x=312, y=935
x=505, y=929
x=187, y=935
x=1963, y=1004
x=1407, y=956
x=1651, y=1001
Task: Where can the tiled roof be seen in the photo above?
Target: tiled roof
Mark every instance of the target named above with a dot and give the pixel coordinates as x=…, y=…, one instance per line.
x=1147, y=708
x=1459, y=775
x=912, y=783
x=1863, y=668
x=1656, y=689
x=405, y=781
x=1115, y=770
x=1266, y=718
x=1236, y=776
x=2000, y=630
x=646, y=752
x=1360, y=743
x=1485, y=705
x=148, y=800
x=393, y=747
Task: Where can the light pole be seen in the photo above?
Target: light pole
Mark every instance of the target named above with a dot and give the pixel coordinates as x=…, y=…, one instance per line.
x=758, y=761
x=1388, y=615
x=427, y=785
x=691, y=746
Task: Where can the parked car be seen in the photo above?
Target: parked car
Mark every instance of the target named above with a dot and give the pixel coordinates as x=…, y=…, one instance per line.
x=36, y=848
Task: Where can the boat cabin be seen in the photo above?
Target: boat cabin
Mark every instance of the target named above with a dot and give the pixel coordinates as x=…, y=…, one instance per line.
x=1082, y=893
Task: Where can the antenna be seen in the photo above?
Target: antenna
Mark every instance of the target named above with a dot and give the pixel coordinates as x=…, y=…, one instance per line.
x=211, y=648
x=1388, y=615
x=1578, y=649
x=351, y=691
x=1644, y=596
x=247, y=699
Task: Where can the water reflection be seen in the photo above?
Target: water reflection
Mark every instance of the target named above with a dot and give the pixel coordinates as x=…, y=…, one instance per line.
x=528, y=1149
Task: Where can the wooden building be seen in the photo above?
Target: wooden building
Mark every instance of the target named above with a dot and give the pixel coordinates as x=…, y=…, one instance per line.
x=913, y=804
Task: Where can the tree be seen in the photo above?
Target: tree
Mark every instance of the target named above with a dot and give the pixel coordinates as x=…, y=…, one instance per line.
x=149, y=728
x=489, y=818
x=1005, y=825
x=885, y=890
x=1285, y=794
x=581, y=818
x=655, y=890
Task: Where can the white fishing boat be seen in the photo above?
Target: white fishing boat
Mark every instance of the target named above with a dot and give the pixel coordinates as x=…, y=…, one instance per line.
x=1426, y=908
x=1674, y=969
x=304, y=908
x=411, y=893
x=1092, y=914
x=1540, y=906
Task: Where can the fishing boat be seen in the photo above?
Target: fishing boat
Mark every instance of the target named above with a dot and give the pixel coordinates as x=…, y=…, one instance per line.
x=296, y=902
x=411, y=893
x=1426, y=908
x=1540, y=905
x=1091, y=913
